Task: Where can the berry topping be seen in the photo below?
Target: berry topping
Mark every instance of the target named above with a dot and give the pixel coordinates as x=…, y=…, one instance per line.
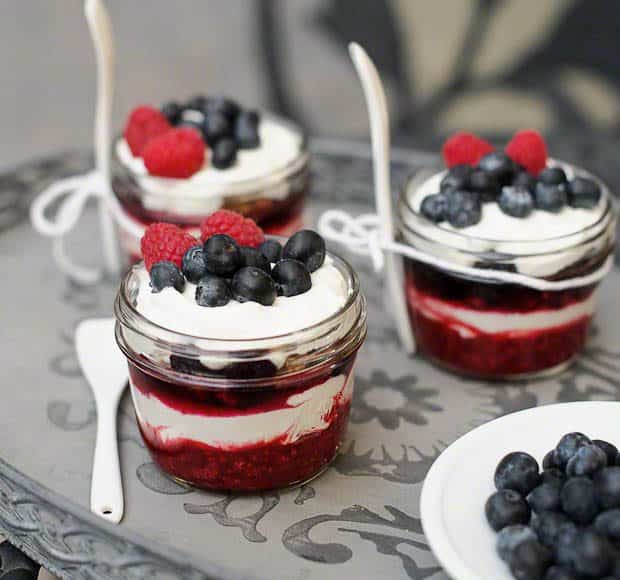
x=464, y=209
x=144, y=124
x=308, y=247
x=224, y=153
x=516, y=201
x=172, y=111
x=165, y=274
x=498, y=166
x=506, y=508
x=162, y=241
x=223, y=105
x=552, y=176
x=212, y=291
x=197, y=103
x=215, y=127
x=272, y=250
x=550, y=197
x=583, y=193
x=484, y=184
x=194, y=124
x=457, y=177
x=465, y=148
x=221, y=255
x=246, y=130
x=179, y=153
x=291, y=277
x=252, y=257
x=243, y=230
x=252, y=284
x=528, y=149
x=193, y=265
x=434, y=207
x=524, y=179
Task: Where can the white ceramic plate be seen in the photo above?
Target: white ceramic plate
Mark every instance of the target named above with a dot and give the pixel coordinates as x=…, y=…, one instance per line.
x=460, y=481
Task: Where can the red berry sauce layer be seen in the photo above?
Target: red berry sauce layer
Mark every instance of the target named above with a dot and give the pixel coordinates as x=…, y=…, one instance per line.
x=217, y=443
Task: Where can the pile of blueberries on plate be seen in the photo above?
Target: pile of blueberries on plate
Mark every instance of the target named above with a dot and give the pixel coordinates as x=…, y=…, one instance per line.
x=563, y=523
x=223, y=124
x=498, y=179
x=222, y=270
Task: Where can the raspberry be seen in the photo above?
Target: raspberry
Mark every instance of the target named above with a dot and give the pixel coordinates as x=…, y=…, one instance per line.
x=528, y=149
x=177, y=153
x=243, y=230
x=465, y=148
x=144, y=123
x=163, y=241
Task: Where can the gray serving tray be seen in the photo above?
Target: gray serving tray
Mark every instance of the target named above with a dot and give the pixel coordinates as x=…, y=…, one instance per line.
x=359, y=520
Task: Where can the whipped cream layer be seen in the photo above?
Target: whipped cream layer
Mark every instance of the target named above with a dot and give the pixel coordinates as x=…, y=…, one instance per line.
x=304, y=413
x=246, y=321
x=469, y=323
x=263, y=168
x=542, y=244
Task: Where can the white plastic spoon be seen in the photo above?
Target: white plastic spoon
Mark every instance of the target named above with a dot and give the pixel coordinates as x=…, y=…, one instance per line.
x=105, y=369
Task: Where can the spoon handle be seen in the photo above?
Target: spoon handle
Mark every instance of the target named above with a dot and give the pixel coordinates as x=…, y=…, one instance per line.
x=106, y=492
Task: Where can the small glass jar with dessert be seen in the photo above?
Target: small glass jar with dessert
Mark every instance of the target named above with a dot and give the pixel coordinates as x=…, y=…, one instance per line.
x=517, y=244
x=181, y=163
x=240, y=353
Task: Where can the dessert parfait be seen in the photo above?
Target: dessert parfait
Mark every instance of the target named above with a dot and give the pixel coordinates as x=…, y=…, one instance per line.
x=180, y=163
x=240, y=352
x=516, y=245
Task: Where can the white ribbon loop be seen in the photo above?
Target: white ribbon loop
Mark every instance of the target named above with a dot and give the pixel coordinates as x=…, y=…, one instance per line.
x=361, y=236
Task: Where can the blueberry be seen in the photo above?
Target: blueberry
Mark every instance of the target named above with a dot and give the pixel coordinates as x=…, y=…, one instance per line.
x=567, y=447
x=553, y=476
x=506, y=508
x=272, y=250
x=564, y=544
x=530, y=561
x=583, y=192
x=545, y=497
x=246, y=130
x=510, y=537
x=222, y=255
x=517, y=471
x=224, y=153
x=552, y=176
x=549, y=460
x=196, y=125
x=252, y=257
x=546, y=525
x=607, y=483
x=223, y=105
x=291, y=277
x=252, y=284
x=166, y=275
x=550, y=198
x=516, y=201
x=215, y=127
x=484, y=184
x=197, y=103
x=593, y=554
x=306, y=246
x=212, y=291
x=172, y=111
x=524, y=179
x=456, y=178
x=579, y=500
x=588, y=460
x=608, y=524
x=498, y=165
x=610, y=450
x=193, y=265
x=186, y=365
x=558, y=573
x=434, y=207
x=464, y=209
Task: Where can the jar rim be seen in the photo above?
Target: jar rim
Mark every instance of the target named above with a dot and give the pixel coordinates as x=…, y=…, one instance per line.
x=405, y=207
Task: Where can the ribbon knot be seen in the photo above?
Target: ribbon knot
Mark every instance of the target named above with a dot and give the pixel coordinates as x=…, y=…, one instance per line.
x=361, y=235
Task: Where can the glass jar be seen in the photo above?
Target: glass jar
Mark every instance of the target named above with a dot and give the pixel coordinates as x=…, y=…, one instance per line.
x=242, y=415
x=266, y=184
x=489, y=328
